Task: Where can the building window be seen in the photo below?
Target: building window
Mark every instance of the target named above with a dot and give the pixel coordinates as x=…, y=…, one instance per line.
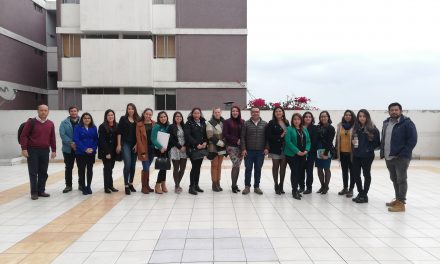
x=71, y=1
x=101, y=36
x=38, y=8
x=164, y=2
x=136, y=37
x=164, y=46
x=165, y=99
x=71, y=46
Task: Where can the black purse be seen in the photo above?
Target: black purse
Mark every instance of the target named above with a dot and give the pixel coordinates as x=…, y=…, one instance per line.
x=162, y=163
x=196, y=154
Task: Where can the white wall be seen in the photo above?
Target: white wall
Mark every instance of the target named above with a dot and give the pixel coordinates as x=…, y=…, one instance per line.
x=116, y=15
x=70, y=15
x=71, y=68
x=52, y=61
x=427, y=122
x=164, y=17
x=164, y=70
x=93, y=102
x=116, y=62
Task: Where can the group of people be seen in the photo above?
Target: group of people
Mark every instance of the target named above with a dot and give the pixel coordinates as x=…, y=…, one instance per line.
x=298, y=142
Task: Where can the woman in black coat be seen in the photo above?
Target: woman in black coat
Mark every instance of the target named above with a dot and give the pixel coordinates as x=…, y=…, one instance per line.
x=196, y=140
x=326, y=149
x=305, y=183
x=275, y=131
x=107, y=133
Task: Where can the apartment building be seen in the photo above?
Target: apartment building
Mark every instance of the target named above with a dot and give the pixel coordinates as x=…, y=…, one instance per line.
x=28, y=54
x=165, y=54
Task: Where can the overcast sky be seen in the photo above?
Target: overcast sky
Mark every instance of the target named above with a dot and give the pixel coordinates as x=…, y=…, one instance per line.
x=346, y=53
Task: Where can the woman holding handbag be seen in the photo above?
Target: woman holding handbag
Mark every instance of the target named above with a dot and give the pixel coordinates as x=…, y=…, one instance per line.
x=296, y=149
x=108, y=132
x=326, y=150
x=195, y=137
x=178, y=150
x=162, y=126
x=144, y=147
x=216, y=147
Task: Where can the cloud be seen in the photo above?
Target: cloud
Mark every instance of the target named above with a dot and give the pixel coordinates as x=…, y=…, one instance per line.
x=345, y=53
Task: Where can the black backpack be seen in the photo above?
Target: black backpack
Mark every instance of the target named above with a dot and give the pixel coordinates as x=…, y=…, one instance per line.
x=20, y=129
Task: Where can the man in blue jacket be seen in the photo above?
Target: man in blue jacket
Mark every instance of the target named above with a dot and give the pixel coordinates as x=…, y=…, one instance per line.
x=399, y=137
x=69, y=147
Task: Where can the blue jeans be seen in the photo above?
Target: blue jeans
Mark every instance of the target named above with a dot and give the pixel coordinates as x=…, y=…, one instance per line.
x=147, y=163
x=255, y=160
x=129, y=157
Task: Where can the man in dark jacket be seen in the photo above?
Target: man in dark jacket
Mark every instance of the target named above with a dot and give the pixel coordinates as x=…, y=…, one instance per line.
x=399, y=137
x=254, y=148
x=69, y=147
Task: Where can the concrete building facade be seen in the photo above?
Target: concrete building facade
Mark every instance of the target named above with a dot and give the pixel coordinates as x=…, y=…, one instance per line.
x=177, y=54
x=28, y=54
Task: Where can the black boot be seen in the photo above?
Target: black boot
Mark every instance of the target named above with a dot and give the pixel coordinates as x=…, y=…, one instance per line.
x=296, y=195
x=132, y=189
x=127, y=190
x=192, y=190
x=277, y=189
x=197, y=188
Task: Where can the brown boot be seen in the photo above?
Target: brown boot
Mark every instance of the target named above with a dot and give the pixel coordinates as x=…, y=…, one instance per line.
x=398, y=207
x=158, y=189
x=164, y=187
x=144, y=177
x=147, y=173
x=392, y=203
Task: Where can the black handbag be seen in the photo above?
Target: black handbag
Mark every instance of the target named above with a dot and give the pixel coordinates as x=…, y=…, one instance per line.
x=162, y=163
x=195, y=154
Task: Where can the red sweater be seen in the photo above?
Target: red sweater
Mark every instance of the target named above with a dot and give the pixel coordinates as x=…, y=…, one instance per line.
x=42, y=136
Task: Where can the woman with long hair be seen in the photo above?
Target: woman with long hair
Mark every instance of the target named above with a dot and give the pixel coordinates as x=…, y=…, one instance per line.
x=232, y=132
x=195, y=138
x=108, y=132
x=306, y=180
x=275, y=133
x=365, y=139
x=144, y=147
x=127, y=145
x=178, y=150
x=325, y=152
x=344, y=133
x=162, y=125
x=216, y=146
x=296, y=149
x=85, y=136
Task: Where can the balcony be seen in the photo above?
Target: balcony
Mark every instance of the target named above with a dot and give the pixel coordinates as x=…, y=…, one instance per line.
x=116, y=63
x=116, y=16
x=70, y=15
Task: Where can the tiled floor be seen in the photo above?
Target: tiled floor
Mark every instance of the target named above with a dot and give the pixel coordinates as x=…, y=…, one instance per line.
x=221, y=227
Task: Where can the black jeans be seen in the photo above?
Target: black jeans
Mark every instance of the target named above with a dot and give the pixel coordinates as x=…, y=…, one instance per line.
x=363, y=164
x=38, y=162
x=69, y=161
x=194, y=175
x=347, y=168
x=85, y=161
x=297, y=165
x=109, y=164
x=306, y=179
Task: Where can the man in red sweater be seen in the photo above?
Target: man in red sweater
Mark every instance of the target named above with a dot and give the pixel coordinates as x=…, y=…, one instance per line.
x=36, y=138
